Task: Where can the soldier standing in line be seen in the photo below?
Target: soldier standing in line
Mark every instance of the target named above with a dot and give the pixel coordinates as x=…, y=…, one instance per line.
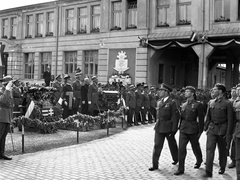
x=153, y=103
x=93, y=96
x=77, y=92
x=84, y=95
x=139, y=105
x=236, y=135
x=6, y=104
x=67, y=96
x=131, y=105
x=17, y=95
x=166, y=126
x=47, y=76
x=219, y=127
x=232, y=154
x=59, y=87
x=146, y=104
x=191, y=128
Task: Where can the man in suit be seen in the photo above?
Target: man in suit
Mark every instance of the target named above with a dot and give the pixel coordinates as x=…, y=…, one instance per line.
x=6, y=104
x=153, y=103
x=219, y=126
x=93, y=96
x=191, y=128
x=47, y=76
x=166, y=126
x=77, y=92
x=139, y=104
x=131, y=105
x=84, y=95
x=146, y=104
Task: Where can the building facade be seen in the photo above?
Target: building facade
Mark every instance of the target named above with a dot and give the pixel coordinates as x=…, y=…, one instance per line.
x=149, y=41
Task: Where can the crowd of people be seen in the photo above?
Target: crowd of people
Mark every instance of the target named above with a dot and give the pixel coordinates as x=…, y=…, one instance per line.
x=187, y=110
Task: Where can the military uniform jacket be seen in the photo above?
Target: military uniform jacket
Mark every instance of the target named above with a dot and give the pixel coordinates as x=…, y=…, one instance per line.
x=59, y=89
x=220, y=116
x=6, y=103
x=192, y=117
x=67, y=95
x=84, y=92
x=153, y=100
x=77, y=89
x=16, y=92
x=168, y=116
x=236, y=107
x=146, y=100
x=131, y=99
x=139, y=98
x=93, y=93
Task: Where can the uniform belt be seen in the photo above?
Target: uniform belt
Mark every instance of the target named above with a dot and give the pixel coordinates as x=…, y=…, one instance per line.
x=219, y=123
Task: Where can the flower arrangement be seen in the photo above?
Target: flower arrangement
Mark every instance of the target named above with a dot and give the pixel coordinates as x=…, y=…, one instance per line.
x=82, y=31
x=49, y=34
x=184, y=22
x=39, y=35
x=115, y=28
x=12, y=37
x=131, y=26
x=222, y=19
x=68, y=32
x=96, y=29
x=28, y=36
x=4, y=37
x=161, y=24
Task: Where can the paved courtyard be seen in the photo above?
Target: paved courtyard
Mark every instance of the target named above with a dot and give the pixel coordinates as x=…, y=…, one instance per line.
x=122, y=156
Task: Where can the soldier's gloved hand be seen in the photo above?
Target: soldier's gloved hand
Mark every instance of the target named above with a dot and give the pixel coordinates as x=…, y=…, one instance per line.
x=83, y=102
x=228, y=141
x=89, y=102
x=65, y=102
x=142, y=107
x=173, y=133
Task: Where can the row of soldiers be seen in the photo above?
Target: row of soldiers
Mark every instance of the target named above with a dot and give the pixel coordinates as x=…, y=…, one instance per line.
x=190, y=118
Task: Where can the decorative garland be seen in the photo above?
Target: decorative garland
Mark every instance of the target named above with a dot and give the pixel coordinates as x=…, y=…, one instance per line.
x=51, y=124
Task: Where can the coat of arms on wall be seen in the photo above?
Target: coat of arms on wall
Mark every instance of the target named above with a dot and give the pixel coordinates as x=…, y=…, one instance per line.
x=121, y=64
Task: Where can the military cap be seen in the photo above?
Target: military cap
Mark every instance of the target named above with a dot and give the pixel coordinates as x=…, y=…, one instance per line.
x=139, y=84
x=221, y=87
x=66, y=76
x=152, y=88
x=131, y=87
x=58, y=76
x=94, y=78
x=6, y=79
x=191, y=88
x=145, y=86
x=164, y=86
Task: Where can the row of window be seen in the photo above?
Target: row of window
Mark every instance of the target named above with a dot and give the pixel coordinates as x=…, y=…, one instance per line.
x=35, y=25
x=90, y=63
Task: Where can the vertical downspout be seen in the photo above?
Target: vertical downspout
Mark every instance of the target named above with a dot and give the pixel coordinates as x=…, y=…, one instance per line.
x=203, y=47
x=57, y=40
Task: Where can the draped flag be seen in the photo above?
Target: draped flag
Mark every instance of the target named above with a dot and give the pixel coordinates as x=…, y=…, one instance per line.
x=30, y=109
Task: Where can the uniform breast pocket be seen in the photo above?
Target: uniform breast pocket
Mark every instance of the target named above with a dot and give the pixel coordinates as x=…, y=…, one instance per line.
x=220, y=112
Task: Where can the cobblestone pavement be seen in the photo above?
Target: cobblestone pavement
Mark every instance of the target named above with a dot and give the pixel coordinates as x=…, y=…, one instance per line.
x=122, y=156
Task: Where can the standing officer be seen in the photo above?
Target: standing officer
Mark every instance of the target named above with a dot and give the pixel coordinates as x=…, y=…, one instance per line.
x=77, y=92
x=219, y=126
x=47, y=76
x=84, y=95
x=131, y=105
x=232, y=155
x=93, y=96
x=139, y=104
x=59, y=87
x=236, y=106
x=17, y=95
x=191, y=128
x=67, y=96
x=166, y=126
x=6, y=104
x=153, y=103
x=146, y=104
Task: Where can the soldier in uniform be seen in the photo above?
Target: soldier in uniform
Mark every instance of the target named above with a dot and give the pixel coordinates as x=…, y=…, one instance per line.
x=139, y=104
x=219, y=127
x=131, y=105
x=59, y=87
x=166, y=126
x=146, y=104
x=93, y=96
x=232, y=154
x=236, y=107
x=77, y=92
x=6, y=104
x=17, y=95
x=67, y=96
x=191, y=128
x=153, y=103
x=84, y=95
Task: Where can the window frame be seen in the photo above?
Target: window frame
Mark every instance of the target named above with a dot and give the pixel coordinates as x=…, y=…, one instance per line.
x=84, y=18
x=29, y=75
x=45, y=64
x=165, y=8
x=116, y=25
x=131, y=24
x=187, y=9
x=88, y=55
x=97, y=16
x=29, y=26
x=5, y=28
x=69, y=21
x=223, y=15
x=68, y=63
x=50, y=22
x=13, y=26
x=39, y=25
